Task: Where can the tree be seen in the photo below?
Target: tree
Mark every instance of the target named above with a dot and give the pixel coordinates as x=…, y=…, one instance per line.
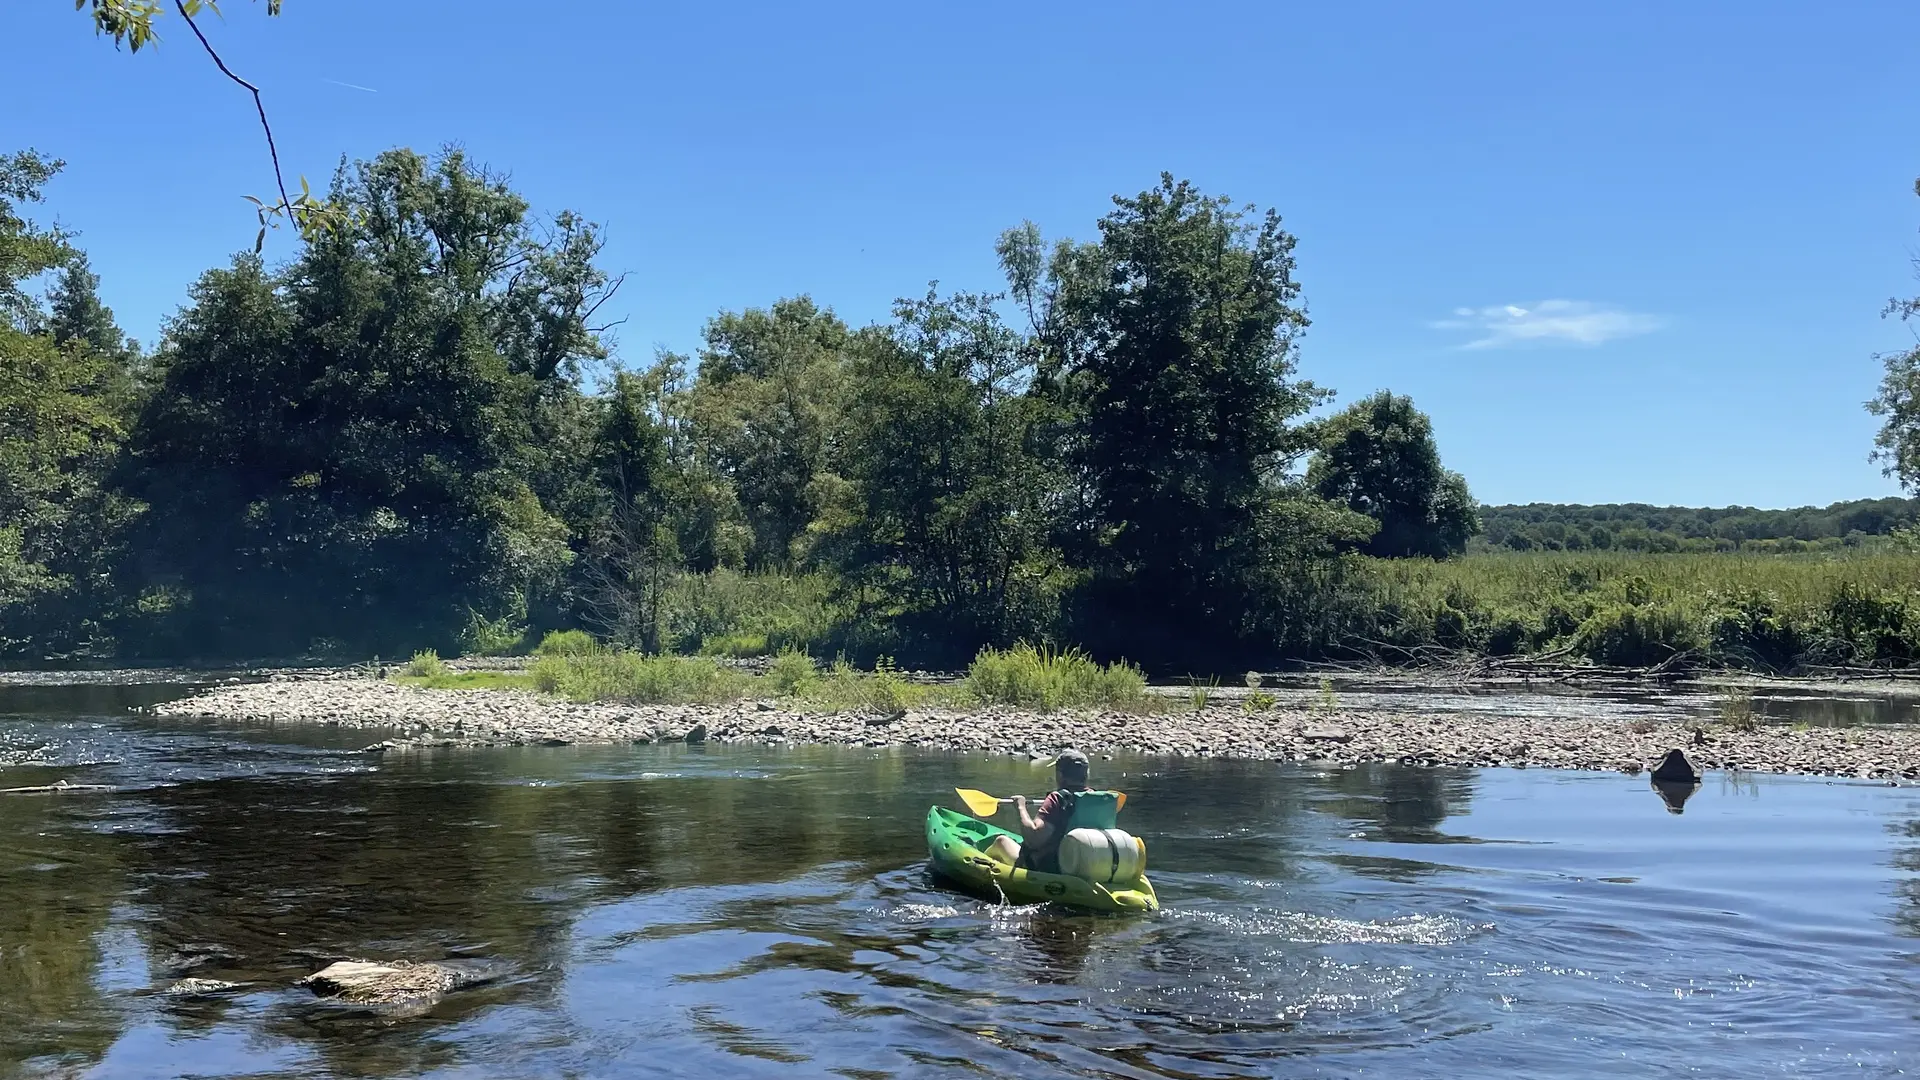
x=1172, y=346
x=947, y=507
x=1898, y=403
x=341, y=453
x=60, y=429
x=767, y=404
x=1378, y=457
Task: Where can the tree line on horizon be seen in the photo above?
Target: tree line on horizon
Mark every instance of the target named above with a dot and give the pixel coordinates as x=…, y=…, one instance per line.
x=1641, y=527
x=412, y=433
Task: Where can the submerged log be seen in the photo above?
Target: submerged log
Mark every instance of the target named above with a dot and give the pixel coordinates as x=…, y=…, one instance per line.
x=58, y=787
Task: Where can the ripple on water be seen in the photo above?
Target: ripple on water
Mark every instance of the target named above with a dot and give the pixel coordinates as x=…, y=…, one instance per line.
x=1310, y=928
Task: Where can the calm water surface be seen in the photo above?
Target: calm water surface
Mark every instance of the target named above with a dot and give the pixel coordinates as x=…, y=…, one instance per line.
x=671, y=911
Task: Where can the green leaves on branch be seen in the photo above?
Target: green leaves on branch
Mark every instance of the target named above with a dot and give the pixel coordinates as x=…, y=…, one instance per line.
x=130, y=22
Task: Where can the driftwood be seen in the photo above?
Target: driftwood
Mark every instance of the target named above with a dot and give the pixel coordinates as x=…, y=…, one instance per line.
x=58, y=787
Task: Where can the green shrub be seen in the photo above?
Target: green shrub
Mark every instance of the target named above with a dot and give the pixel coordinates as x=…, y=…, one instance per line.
x=1866, y=626
x=1736, y=709
x=728, y=613
x=1259, y=701
x=567, y=643
x=846, y=688
x=631, y=676
x=1047, y=679
x=1625, y=635
x=792, y=671
x=425, y=665
x=1749, y=629
x=1508, y=634
x=491, y=637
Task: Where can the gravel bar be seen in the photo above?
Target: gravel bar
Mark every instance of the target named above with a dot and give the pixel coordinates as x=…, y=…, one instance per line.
x=514, y=717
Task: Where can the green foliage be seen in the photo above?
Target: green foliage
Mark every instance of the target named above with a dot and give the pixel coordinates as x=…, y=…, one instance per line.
x=1259, y=701
x=766, y=406
x=1044, y=678
x=791, y=672
x=1327, y=702
x=1635, y=635
x=844, y=688
x=1173, y=344
x=1200, y=691
x=1769, y=613
x=1639, y=528
x=638, y=678
x=567, y=643
x=491, y=637
x=469, y=680
x=63, y=405
x=426, y=664
x=1736, y=709
x=943, y=506
x=340, y=451
x=729, y=613
x=1378, y=457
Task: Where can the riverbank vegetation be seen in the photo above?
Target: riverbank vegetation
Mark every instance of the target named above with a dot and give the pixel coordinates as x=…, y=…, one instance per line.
x=1024, y=676
x=413, y=434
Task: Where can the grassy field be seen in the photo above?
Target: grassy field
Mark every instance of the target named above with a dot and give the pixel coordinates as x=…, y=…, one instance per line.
x=1765, y=612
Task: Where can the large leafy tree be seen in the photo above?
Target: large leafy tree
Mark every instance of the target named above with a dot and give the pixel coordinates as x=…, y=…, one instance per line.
x=1172, y=344
x=61, y=403
x=1378, y=457
x=1897, y=445
x=947, y=507
x=340, y=453
x=767, y=404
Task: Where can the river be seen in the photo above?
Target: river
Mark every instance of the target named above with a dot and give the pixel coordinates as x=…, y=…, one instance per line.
x=684, y=911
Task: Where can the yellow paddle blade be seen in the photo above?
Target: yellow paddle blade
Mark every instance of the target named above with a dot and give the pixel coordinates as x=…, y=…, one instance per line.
x=979, y=803
x=1121, y=803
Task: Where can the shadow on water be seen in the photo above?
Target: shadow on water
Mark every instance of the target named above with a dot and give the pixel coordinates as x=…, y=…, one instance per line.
x=744, y=912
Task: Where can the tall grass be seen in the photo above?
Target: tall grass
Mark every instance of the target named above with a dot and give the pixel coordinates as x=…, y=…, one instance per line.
x=426, y=664
x=1045, y=678
x=567, y=643
x=631, y=676
x=1766, y=612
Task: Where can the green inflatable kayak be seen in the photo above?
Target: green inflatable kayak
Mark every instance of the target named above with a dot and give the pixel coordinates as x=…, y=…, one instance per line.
x=956, y=843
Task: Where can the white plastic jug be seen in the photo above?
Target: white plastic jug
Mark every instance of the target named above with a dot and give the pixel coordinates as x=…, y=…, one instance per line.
x=1103, y=856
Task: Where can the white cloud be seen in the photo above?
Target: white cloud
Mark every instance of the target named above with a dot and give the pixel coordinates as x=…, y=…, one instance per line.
x=1549, y=322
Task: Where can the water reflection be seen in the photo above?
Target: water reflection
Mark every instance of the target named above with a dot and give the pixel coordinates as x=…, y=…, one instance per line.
x=1675, y=794
x=722, y=912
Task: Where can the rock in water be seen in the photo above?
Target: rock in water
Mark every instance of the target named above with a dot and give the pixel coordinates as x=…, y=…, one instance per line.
x=199, y=987
x=400, y=981
x=697, y=735
x=1676, y=769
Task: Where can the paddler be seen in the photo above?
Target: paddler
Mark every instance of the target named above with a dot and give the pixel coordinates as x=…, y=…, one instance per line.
x=1071, y=805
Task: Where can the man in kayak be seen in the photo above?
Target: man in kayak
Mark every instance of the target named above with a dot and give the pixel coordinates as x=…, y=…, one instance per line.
x=1070, y=806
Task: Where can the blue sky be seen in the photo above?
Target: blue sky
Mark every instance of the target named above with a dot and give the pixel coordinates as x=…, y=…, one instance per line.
x=1620, y=252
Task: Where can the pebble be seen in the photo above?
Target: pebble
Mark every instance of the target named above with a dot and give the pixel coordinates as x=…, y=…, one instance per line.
x=464, y=718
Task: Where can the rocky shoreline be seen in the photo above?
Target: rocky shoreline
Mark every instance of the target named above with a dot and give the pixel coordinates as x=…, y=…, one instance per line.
x=444, y=718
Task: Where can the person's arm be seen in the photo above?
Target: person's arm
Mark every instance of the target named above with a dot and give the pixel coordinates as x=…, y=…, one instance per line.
x=1028, y=822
